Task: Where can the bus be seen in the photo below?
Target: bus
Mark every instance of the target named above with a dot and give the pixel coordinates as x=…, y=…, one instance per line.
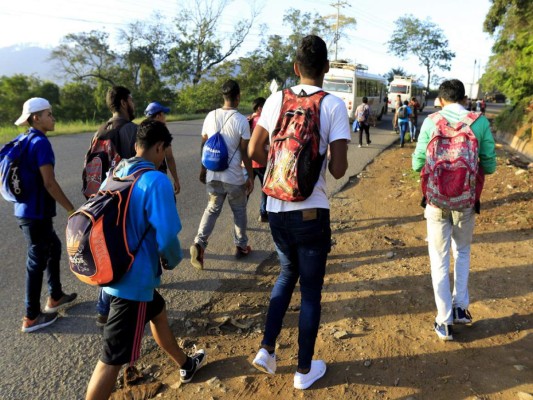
x=407, y=87
x=352, y=82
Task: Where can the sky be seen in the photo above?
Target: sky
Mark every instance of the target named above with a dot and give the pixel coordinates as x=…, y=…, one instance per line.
x=45, y=23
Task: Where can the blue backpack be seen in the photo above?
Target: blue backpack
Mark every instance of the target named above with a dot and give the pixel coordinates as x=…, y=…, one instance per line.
x=11, y=184
x=215, y=152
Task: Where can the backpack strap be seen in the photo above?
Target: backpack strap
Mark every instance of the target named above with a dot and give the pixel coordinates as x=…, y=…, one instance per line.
x=136, y=175
x=238, y=144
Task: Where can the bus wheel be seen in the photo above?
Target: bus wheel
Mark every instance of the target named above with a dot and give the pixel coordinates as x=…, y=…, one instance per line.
x=380, y=115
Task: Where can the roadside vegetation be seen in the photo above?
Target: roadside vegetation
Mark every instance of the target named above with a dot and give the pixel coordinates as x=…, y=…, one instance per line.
x=183, y=60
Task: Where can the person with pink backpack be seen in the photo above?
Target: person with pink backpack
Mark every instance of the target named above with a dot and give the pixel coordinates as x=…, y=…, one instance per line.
x=455, y=149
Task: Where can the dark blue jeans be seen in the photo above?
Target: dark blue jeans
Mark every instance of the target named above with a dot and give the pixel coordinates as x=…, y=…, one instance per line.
x=404, y=127
x=44, y=254
x=260, y=173
x=303, y=244
x=104, y=302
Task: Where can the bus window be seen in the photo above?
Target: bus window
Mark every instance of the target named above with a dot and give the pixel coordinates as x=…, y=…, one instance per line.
x=400, y=89
x=338, y=85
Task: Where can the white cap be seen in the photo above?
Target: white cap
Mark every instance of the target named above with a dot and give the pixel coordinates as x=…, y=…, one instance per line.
x=33, y=105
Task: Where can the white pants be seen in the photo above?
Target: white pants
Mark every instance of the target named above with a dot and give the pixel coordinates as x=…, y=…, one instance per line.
x=447, y=228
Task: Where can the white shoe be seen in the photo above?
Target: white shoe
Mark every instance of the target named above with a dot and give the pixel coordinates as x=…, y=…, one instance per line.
x=317, y=371
x=265, y=362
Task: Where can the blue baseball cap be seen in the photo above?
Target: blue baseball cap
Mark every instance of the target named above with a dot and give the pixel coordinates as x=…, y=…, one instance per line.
x=154, y=108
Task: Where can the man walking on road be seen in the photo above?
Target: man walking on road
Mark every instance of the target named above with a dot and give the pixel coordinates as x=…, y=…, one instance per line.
x=35, y=216
x=301, y=229
x=120, y=103
x=230, y=183
x=134, y=299
x=449, y=226
x=158, y=112
x=362, y=113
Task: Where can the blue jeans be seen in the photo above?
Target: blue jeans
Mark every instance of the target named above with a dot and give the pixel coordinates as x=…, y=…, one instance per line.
x=403, y=128
x=303, y=245
x=236, y=194
x=44, y=254
x=260, y=173
x=412, y=129
x=104, y=302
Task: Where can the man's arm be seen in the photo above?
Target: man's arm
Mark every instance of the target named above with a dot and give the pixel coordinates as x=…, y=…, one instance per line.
x=338, y=161
x=248, y=165
x=203, y=170
x=257, y=146
x=51, y=185
x=487, y=149
x=171, y=163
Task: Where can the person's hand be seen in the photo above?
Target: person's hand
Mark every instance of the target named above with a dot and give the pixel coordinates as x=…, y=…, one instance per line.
x=164, y=263
x=249, y=186
x=203, y=175
x=177, y=187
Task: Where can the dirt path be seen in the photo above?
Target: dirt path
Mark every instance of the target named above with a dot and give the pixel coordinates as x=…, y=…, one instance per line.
x=378, y=308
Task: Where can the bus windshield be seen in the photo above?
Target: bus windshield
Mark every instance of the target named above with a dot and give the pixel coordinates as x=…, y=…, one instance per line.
x=403, y=89
x=338, y=85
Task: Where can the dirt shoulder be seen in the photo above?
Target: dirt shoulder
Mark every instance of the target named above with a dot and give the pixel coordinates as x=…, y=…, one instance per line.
x=376, y=330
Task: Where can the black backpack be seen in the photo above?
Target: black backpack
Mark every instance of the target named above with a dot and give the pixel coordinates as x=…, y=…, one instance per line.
x=402, y=112
x=102, y=155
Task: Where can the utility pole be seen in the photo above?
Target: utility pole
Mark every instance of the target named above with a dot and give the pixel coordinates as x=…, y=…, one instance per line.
x=338, y=6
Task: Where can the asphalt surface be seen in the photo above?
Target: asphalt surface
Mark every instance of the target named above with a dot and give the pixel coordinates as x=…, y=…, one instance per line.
x=56, y=362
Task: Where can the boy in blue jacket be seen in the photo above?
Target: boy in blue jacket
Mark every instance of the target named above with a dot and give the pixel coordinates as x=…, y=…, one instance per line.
x=134, y=299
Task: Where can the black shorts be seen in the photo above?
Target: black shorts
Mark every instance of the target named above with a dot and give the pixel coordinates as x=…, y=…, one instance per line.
x=124, y=329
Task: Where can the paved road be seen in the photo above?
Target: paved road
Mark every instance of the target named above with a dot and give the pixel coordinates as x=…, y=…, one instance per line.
x=56, y=362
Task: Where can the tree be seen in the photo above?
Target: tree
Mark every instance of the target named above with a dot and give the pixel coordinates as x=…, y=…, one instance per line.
x=16, y=89
x=199, y=48
x=395, y=71
x=145, y=46
x=333, y=34
x=510, y=68
x=86, y=55
x=424, y=40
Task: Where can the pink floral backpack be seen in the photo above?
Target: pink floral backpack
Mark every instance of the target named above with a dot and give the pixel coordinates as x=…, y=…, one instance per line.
x=451, y=178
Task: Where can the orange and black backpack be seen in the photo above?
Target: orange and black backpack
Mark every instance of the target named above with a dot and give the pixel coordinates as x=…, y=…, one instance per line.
x=294, y=159
x=97, y=245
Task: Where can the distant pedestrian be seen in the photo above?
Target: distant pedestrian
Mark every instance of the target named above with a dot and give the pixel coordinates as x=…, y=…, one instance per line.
x=414, y=105
x=362, y=114
x=158, y=112
x=35, y=217
x=134, y=298
x=397, y=105
x=403, y=114
x=230, y=183
x=301, y=229
x=259, y=169
x=450, y=225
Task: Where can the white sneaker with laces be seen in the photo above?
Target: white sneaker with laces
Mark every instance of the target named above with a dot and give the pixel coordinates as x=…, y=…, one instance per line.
x=265, y=362
x=317, y=371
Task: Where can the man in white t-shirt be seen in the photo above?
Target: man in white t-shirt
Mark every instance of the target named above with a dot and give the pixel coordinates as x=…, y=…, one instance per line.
x=301, y=230
x=230, y=183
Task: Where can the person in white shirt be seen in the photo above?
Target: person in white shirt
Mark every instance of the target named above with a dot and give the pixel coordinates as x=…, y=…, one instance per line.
x=229, y=183
x=301, y=229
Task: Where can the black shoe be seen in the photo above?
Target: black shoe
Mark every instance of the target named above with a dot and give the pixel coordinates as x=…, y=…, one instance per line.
x=198, y=361
x=101, y=320
x=242, y=252
x=41, y=321
x=55, y=305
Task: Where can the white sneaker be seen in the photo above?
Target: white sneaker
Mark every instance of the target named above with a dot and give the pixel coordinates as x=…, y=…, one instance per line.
x=317, y=371
x=265, y=362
